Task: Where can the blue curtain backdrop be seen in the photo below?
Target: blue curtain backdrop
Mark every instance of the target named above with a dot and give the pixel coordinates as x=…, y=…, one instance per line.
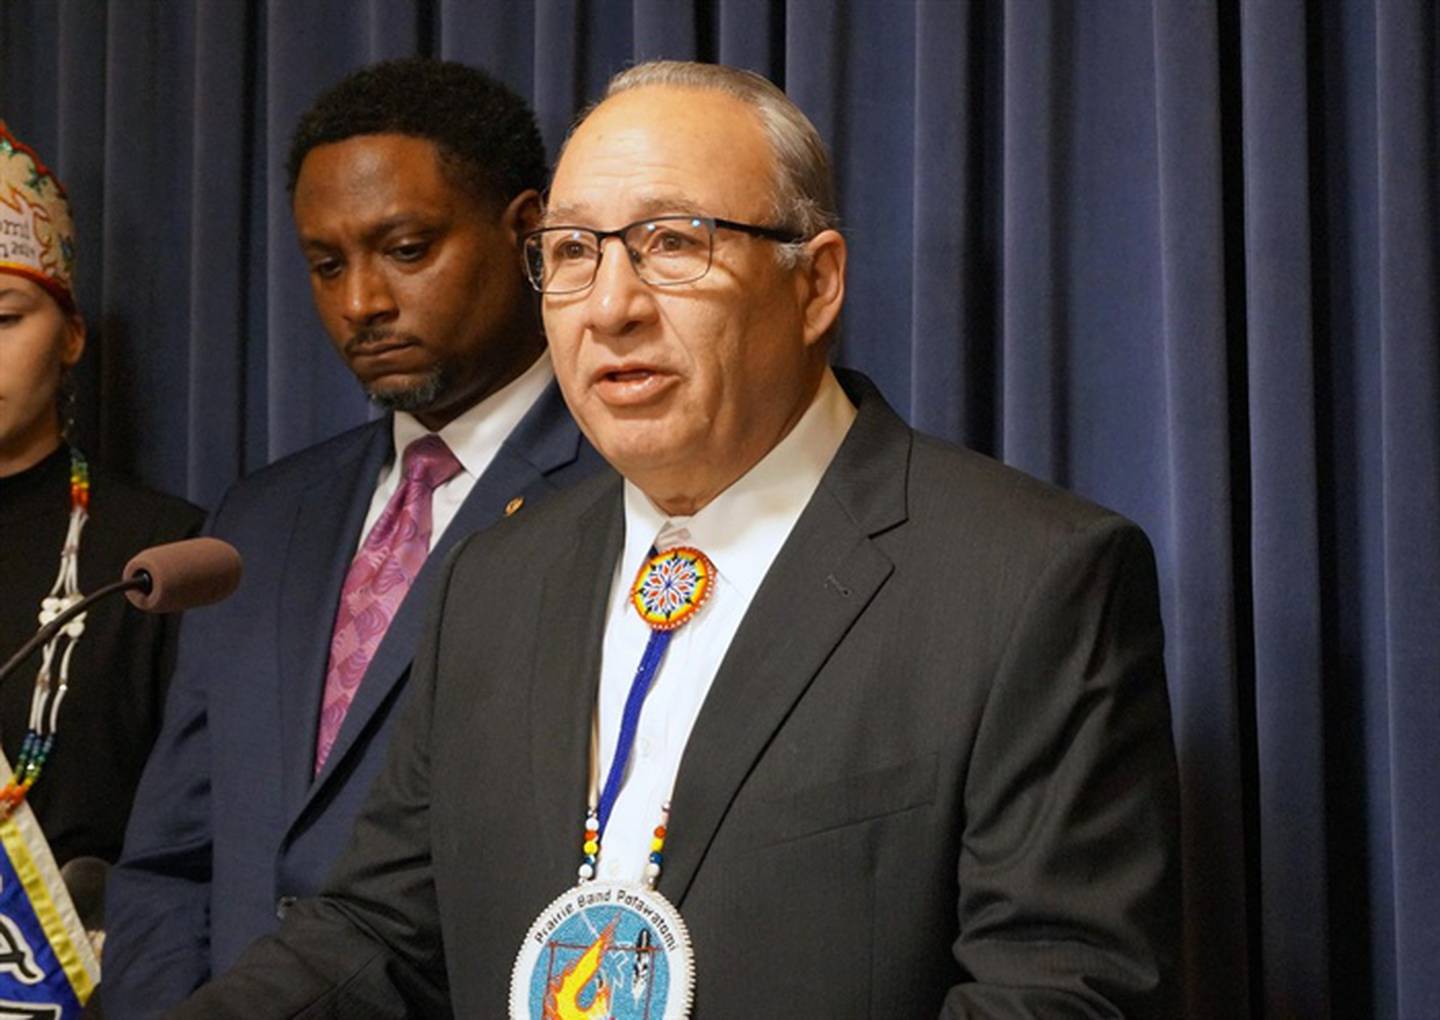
x=1178, y=255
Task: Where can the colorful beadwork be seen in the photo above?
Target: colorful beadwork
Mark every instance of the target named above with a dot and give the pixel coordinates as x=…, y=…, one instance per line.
x=672, y=586
x=35, y=209
x=590, y=847
x=79, y=481
x=605, y=949
x=657, y=847
x=45, y=702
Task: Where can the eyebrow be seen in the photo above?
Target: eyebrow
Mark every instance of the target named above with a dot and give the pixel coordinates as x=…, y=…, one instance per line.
x=567, y=214
x=415, y=221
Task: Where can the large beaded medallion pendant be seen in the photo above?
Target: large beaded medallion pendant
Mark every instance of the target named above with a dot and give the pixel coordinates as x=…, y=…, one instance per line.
x=605, y=951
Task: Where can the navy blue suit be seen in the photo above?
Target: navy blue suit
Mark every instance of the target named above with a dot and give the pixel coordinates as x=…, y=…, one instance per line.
x=230, y=824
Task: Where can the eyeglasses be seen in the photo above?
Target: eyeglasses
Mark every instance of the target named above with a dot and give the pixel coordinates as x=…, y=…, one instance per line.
x=665, y=251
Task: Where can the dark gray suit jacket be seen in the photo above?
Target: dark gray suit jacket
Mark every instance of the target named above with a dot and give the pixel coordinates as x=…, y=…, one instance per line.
x=934, y=775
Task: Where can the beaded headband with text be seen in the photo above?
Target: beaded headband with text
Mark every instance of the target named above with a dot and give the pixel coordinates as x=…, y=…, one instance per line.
x=37, y=235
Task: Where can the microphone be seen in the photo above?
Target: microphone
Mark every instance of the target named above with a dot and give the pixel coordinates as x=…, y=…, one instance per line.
x=182, y=575
x=162, y=579
x=84, y=879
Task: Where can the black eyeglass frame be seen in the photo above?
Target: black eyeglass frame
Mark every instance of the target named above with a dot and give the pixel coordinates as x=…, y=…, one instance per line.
x=712, y=224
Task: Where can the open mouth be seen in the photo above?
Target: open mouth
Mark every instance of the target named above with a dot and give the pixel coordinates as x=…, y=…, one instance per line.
x=628, y=375
x=632, y=384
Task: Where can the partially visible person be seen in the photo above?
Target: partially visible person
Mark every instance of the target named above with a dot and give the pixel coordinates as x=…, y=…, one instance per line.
x=68, y=526
x=411, y=183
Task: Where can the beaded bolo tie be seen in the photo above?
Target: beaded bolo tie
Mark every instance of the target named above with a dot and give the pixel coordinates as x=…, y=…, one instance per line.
x=53, y=679
x=669, y=591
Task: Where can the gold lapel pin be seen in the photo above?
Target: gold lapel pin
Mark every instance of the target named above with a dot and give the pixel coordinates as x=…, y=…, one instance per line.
x=514, y=504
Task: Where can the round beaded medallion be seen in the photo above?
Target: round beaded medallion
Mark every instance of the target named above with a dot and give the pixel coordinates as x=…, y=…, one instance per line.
x=605, y=949
x=672, y=586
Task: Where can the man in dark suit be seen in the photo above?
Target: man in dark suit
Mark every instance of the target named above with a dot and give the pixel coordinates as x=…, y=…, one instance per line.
x=412, y=182
x=906, y=749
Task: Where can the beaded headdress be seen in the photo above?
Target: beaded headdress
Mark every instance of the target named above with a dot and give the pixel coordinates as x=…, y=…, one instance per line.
x=37, y=235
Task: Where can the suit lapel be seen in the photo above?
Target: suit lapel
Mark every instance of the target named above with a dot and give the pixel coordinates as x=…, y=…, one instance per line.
x=321, y=545
x=831, y=568
x=566, y=677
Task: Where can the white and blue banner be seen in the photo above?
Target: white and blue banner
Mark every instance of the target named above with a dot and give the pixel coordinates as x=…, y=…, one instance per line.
x=48, y=968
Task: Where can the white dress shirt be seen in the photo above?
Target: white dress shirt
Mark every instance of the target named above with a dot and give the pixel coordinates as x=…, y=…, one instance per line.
x=741, y=531
x=474, y=437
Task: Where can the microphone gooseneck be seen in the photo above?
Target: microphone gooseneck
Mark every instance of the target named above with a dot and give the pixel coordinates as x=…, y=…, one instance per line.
x=45, y=633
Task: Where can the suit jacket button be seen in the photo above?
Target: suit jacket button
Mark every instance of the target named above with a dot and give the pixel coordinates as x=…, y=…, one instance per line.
x=283, y=905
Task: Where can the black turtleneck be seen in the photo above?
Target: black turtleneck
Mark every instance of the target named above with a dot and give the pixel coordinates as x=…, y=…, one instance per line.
x=118, y=672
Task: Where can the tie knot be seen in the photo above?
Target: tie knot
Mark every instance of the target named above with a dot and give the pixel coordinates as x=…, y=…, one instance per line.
x=671, y=535
x=429, y=461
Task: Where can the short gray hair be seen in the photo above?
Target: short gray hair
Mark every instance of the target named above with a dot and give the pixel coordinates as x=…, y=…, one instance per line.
x=805, y=181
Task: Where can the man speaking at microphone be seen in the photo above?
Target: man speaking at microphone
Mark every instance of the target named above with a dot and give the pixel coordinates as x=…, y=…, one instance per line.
x=411, y=184
x=880, y=723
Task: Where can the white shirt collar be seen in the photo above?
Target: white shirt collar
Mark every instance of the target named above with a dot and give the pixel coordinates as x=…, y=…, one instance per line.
x=743, y=528
x=475, y=436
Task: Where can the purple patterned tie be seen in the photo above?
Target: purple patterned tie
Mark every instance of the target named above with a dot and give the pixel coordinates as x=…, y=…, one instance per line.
x=381, y=574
